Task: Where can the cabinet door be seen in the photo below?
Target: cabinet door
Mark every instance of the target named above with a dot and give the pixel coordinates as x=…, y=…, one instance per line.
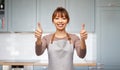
x=81, y=68
x=45, y=9
x=23, y=15
x=81, y=11
x=108, y=26
x=107, y=3
x=0, y=67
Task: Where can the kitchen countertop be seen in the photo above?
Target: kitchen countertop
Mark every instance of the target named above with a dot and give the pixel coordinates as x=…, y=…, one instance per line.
x=38, y=63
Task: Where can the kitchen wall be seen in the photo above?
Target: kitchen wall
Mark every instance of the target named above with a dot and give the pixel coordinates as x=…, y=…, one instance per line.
x=21, y=46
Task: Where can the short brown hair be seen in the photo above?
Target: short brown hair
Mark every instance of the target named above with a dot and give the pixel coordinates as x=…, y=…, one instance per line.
x=62, y=11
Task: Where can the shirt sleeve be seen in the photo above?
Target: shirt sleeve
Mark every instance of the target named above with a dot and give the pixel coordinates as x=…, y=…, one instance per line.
x=80, y=52
x=41, y=48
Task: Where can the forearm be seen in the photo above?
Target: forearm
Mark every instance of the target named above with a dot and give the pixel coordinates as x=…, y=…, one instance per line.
x=82, y=48
x=38, y=42
x=38, y=47
x=82, y=44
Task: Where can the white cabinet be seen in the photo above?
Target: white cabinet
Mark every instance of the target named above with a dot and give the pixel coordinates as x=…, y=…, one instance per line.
x=81, y=11
x=108, y=26
x=45, y=9
x=0, y=67
x=22, y=15
x=109, y=19
x=108, y=3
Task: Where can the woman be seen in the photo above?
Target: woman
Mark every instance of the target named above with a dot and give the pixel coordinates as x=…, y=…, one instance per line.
x=60, y=45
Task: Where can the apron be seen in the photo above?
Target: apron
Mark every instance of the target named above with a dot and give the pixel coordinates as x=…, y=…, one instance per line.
x=60, y=55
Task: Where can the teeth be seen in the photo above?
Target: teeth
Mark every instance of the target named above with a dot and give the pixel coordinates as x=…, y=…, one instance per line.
x=60, y=25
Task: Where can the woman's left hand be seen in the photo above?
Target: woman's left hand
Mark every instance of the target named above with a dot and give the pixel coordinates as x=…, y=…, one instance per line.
x=83, y=33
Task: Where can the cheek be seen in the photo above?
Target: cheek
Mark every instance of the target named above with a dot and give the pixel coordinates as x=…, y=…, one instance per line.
x=66, y=21
x=54, y=22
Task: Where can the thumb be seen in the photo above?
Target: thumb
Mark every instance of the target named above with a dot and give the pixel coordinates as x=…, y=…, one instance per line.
x=39, y=27
x=83, y=26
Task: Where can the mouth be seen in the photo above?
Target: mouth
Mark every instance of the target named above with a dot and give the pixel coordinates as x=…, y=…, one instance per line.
x=60, y=25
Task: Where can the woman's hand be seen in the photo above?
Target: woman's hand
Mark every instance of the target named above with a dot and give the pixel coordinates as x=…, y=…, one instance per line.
x=83, y=33
x=38, y=32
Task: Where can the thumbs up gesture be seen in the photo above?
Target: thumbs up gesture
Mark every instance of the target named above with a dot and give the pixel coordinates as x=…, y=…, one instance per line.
x=38, y=32
x=83, y=32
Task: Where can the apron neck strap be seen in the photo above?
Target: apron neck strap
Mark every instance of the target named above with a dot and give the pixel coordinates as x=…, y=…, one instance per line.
x=68, y=37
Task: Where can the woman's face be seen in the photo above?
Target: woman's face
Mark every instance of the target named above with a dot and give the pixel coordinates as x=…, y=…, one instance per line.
x=60, y=22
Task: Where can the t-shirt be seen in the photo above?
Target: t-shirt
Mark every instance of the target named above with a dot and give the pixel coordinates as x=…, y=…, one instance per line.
x=65, y=58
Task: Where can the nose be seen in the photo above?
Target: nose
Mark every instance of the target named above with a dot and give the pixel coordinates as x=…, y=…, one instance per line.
x=60, y=20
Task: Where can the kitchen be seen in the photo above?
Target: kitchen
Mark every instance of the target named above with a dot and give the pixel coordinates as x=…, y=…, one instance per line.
x=100, y=17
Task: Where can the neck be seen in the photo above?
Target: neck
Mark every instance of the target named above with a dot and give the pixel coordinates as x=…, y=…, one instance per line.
x=60, y=34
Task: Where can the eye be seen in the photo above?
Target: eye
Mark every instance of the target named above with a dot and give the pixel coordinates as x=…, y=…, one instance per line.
x=56, y=18
x=64, y=18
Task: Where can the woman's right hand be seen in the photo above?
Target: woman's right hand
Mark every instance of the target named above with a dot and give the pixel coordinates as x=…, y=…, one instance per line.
x=38, y=31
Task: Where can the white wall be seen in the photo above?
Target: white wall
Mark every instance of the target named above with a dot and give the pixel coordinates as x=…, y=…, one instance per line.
x=21, y=46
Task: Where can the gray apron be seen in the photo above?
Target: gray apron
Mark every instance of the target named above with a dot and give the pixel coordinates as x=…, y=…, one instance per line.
x=60, y=55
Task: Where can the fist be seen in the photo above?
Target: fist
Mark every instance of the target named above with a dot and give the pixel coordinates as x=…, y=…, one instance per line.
x=38, y=31
x=83, y=32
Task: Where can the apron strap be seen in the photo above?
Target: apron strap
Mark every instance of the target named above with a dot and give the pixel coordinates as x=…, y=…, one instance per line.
x=68, y=36
x=52, y=38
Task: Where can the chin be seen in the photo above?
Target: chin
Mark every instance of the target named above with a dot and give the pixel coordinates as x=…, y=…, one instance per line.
x=62, y=29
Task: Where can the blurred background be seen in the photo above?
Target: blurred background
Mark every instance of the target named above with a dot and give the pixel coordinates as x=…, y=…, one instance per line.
x=18, y=20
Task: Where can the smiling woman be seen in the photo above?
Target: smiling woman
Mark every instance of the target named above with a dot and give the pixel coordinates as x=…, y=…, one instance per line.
x=61, y=44
x=60, y=18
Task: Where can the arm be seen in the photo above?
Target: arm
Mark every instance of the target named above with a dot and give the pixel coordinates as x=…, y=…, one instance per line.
x=40, y=46
x=81, y=50
x=80, y=47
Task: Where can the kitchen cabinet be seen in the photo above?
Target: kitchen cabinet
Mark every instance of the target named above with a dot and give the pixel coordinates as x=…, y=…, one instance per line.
x=107, y=3
x=0, y=67
x=45, y=68
x=75, y=68
x=45, y=11
x=81, y=12
x=81, y=68
x=22, y=15
x=40, y=67
x=3, y=15
x=108, y=33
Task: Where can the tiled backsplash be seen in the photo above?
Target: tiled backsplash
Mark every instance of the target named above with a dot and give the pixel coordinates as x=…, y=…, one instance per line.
x=21, y=46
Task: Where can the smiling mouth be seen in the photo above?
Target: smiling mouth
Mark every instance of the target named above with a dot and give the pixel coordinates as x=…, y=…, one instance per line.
x=60, y=25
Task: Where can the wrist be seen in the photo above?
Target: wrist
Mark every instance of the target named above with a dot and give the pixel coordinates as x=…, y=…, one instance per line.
x=83, y=44
x=38, y=42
